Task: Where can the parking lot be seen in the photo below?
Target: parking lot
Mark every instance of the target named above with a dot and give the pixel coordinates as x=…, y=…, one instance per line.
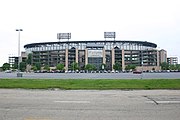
x=170, y=75
x=19, y=104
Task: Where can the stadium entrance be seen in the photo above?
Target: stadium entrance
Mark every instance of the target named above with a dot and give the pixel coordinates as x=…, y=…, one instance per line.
x=95, y=55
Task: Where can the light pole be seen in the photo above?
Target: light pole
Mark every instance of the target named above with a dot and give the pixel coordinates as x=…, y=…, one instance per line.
x=19, y=74
x=142, y=64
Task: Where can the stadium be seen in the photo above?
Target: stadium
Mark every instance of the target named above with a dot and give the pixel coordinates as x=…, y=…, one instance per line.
x=142, y=54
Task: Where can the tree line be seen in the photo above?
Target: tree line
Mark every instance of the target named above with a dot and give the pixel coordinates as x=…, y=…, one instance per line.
x=166, y=66
x=74, y=66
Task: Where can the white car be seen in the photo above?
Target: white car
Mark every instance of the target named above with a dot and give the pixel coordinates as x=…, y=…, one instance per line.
x=8, y=71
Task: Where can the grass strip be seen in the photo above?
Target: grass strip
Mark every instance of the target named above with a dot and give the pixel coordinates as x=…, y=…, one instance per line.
x=90, y=84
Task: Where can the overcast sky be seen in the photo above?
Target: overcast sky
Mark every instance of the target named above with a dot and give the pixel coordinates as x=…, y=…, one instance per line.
x=156, y=21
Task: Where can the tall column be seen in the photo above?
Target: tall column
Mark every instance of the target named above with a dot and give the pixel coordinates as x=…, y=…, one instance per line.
x=104, y=56
x=76, y=55
x=113, y=58
x=86, y=56
x=123, y=62
x=66, y=59
x=157, y=58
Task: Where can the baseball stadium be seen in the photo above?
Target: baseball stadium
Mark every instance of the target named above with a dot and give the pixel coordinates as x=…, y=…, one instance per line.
x=142, y=54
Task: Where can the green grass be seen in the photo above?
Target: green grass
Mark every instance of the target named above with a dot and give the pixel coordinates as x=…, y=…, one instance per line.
x=90, y=84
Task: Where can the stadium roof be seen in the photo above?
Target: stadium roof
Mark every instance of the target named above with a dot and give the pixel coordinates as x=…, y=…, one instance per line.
x=144, y=43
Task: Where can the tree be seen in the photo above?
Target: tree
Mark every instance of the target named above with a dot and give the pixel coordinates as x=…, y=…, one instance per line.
x=117, y=66
x=38, y=65
x=130, y=67
x=22, y=66
x=34, y=68
x=94, y=67
x=74, y=66
x=164, y=66
x=172, y=67
x=90, y=67
x=178, y=66
x=15, y=66
x=29, y=59
x=6, y=66
x=60, y=66
x=46, y=67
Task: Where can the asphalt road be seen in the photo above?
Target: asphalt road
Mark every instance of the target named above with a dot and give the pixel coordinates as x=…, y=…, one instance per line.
x=18, y=104
x=172, y=75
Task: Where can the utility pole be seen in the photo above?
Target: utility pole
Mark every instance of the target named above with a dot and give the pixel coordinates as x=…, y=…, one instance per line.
x=19, y=74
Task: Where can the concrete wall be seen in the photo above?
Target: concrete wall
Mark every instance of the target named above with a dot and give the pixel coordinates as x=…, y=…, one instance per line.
x=145, y=68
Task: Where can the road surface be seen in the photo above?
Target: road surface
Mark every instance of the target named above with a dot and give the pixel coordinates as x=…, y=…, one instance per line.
x=19, y=104
x=173, y=75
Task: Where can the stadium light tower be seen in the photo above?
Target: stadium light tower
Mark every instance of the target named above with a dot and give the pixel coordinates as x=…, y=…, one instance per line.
x=19, y=74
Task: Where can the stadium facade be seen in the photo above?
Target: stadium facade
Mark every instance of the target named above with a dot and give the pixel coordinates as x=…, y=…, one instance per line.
x=143, y=54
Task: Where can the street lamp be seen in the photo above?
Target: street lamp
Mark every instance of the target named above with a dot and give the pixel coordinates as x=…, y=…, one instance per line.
x=19, y=74
x=142, y=64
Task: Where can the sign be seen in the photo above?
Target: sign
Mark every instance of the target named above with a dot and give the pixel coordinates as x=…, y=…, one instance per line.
x=95, y=53
x=110, y=35
x=64, y=36
x=103, y=67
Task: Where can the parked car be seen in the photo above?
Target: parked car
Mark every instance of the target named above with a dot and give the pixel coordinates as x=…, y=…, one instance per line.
x=137, y=72
x=8, y=71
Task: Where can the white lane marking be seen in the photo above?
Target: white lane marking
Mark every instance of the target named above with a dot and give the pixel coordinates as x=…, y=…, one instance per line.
x=164, y=102
x=161, y=102
x=36, y=119
x=72, y=101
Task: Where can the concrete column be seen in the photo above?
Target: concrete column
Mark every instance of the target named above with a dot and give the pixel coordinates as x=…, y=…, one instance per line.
x=20, y=59
x=104, y=56
x=113, y=58
x=157, y=58
x=86, y=56
x=123, y=62
x=76, y=55
x=66, y=59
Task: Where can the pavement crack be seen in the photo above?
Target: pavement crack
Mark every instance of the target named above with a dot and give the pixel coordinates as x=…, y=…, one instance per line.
x=7, y=109
x=151, y=100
